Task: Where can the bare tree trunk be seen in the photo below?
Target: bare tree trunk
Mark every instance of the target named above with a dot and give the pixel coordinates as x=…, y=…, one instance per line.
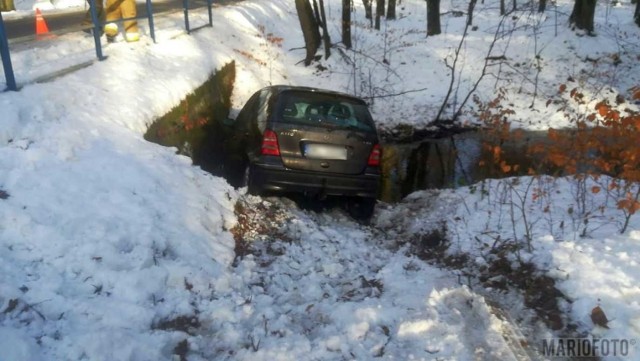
x=309, y=28
x=346, y=23
x=316, y=12
x=515, y=6
x=542, y=6
x=379, y=13
x=503, y=8
x=472, y=5
x=391, y=10
x=325, y=32
x=636, y=15
x=433, y=17
x=368, y=11
x=582, y=15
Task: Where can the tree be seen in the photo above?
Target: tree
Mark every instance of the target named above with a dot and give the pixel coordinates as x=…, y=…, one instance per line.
x=325, y=32
x=472, y=5
x=368, y=11
x=636, y=16
x=391, y=10
x=433, y=17
x=310, y=30
x=542, y=6
x=379, y=12
x=582, y=15
x=316, y=12
x=346, y=23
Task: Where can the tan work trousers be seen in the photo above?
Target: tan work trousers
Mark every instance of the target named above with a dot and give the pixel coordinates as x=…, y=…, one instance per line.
x=123, y=9
x=99, y=11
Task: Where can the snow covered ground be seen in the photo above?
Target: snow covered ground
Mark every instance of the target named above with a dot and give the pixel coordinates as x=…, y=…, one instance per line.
x=113, y=248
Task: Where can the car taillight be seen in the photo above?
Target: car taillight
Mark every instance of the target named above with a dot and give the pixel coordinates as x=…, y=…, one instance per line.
x=270, y=143
x=374, y=157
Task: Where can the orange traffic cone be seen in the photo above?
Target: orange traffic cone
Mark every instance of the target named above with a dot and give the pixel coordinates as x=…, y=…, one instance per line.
x=41, y=25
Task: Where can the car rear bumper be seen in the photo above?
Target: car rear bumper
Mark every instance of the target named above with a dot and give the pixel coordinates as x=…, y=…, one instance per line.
x=277, y=178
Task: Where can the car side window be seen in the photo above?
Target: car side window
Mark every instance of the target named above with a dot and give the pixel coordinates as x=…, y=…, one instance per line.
x=243, y=121
x=263, y=100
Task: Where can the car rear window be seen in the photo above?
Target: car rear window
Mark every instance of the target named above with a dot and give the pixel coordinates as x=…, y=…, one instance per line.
x=323, y=110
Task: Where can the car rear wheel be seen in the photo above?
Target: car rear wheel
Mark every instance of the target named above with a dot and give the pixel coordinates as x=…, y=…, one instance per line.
x=234, y=170
x=361, y=209
x=248, y=181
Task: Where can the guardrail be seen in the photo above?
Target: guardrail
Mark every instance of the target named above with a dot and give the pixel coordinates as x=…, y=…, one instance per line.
x=97, y=31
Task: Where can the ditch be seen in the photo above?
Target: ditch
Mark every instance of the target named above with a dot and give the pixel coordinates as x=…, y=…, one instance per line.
x=195, y=128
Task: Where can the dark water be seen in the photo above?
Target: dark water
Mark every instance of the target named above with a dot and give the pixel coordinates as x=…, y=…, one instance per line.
x=454, y=161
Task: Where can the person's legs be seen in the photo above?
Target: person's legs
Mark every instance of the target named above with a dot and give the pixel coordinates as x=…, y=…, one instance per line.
x=113, y=13
x=99, y=12
x=130, y=26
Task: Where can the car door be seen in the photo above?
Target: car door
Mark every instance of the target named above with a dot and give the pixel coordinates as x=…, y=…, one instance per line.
x=235, y=147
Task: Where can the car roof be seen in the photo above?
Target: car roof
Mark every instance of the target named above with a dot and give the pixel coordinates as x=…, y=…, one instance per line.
x=278, y=89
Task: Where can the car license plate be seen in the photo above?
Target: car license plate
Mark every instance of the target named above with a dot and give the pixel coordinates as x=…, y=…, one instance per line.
x=324, y=151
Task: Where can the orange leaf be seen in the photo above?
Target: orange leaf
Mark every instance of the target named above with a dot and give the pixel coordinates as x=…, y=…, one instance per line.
x=505, y=167
x=603, y=109
x=595, y=189
x=615, y=116
x=558, y=159
x=563, y=87
x=496, y=152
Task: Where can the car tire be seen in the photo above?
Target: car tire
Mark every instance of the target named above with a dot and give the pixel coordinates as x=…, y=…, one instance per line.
x=361, y=209
x=247, y=181
x=234, y=172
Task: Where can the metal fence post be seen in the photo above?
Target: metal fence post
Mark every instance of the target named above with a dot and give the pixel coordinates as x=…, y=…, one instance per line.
x=185, y=5
x=6, y=58
x=150, y=16
x=97, y=29
x=209, y=4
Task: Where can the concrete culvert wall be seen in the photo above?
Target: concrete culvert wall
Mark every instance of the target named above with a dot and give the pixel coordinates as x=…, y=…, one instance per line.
x=195, y=126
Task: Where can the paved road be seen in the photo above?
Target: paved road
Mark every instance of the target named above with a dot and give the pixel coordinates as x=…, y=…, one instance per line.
x=60, y=22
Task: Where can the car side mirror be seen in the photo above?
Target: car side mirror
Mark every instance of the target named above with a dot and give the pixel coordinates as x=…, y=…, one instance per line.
x=228, y=122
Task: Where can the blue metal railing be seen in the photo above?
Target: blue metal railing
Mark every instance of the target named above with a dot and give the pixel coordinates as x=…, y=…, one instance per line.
x=185, y=6
x=97, y=29
x=6, y=58
x=97, y=32
x=97, y=25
